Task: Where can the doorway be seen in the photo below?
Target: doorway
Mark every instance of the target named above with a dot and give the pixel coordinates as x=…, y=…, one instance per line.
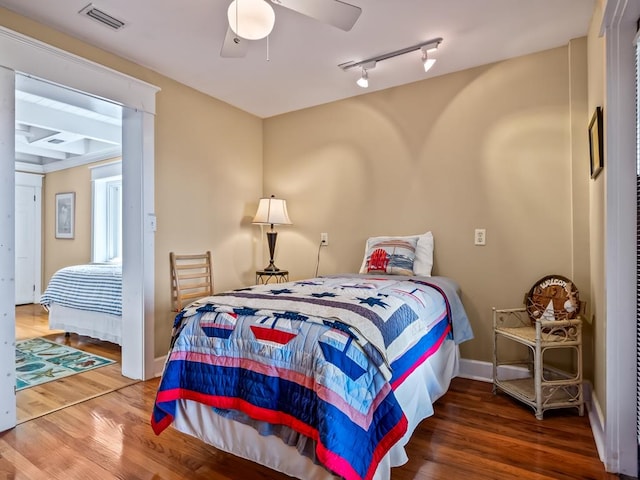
x=19, y=53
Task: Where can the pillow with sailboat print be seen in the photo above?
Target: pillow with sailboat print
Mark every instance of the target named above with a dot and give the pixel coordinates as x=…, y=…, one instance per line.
x=391, y=255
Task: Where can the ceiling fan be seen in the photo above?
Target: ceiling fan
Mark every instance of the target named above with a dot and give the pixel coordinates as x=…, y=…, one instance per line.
x=254, y=19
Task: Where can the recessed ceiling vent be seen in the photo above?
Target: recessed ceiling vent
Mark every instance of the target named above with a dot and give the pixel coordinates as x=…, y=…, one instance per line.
x=102, y=17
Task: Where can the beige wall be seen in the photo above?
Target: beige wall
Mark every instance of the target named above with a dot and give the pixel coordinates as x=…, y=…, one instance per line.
x=208, y=173
x=596, y=95
x=487, y=148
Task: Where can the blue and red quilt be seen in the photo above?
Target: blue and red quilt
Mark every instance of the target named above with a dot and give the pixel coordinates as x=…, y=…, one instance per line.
x=321, y=357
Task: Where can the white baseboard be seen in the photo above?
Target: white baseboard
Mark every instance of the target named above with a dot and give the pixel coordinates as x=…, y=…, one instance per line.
x=483, y=371
x=596, y=419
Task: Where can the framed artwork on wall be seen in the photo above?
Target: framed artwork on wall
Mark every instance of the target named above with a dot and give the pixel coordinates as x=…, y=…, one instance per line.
x=596, y=147
x=65, y=214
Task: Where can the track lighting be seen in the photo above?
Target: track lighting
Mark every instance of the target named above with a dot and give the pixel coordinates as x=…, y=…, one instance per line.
x=363, y=81
x=427, y=62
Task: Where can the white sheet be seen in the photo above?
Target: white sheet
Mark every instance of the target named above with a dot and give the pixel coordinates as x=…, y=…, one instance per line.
x=416, y=396
x=103, y=326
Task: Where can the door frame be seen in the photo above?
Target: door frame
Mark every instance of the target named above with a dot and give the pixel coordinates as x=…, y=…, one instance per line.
x=22, y=54
x=620, y=436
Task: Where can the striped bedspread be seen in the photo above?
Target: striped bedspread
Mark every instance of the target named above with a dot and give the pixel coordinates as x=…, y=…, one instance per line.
x=321, y=357
x=94, y=287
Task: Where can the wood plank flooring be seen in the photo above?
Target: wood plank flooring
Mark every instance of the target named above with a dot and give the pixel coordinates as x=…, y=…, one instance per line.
x=32, y=321
x=473, y=435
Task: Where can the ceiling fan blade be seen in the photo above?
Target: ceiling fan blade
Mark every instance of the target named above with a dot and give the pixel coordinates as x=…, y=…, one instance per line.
x=333, y=12
x=233, y=46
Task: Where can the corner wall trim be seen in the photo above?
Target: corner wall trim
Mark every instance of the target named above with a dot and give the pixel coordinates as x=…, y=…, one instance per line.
x=158, y=365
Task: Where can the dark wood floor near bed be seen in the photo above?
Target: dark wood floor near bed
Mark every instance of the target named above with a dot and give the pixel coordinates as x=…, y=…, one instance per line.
x=473, y=435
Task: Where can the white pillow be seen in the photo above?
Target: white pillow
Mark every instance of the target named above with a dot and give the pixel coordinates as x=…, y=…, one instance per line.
x=423, y=261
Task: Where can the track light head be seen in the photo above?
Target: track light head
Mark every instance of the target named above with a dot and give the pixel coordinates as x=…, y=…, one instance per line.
x=426, y=61
x=363, y=81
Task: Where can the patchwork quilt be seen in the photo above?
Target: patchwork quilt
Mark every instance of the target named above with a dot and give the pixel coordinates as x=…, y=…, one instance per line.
x=321, y=357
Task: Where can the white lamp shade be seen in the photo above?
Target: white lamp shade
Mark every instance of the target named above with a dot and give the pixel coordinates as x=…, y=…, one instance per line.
x=272, y=211
x=251, y=19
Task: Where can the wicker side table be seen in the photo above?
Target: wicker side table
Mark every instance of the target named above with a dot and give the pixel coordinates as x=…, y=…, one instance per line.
x=545, y=387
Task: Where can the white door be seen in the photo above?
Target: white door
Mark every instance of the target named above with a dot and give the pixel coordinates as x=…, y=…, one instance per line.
x=27, y=243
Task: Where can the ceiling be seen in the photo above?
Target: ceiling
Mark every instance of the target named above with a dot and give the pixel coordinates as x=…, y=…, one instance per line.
x=59, y=128
x=296, y=68
x=182, y=40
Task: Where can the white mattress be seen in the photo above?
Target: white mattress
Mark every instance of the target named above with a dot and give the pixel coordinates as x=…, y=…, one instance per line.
x=416, y=396
x=103, y=326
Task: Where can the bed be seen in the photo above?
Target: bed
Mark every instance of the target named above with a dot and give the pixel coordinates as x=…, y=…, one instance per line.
x=87, y=300
x=295, y=375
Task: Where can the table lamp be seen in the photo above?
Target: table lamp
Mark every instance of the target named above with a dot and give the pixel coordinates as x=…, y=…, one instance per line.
x=272, y=211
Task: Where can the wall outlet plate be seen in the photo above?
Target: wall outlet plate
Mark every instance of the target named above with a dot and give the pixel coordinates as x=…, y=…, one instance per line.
x=324, y=239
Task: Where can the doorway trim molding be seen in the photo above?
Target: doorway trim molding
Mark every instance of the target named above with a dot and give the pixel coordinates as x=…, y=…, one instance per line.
x=31, y=57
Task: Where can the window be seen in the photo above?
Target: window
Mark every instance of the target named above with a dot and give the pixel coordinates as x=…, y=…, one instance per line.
x=106, y=231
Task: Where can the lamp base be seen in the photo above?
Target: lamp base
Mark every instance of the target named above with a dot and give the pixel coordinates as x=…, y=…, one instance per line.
x=271, y=268
x=272, y=235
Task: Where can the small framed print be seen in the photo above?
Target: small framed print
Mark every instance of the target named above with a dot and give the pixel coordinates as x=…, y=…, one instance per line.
x=596, y=147
x=65, y=215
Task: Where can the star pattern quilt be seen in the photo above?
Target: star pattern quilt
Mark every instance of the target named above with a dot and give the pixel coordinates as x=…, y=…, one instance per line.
x=321, y=357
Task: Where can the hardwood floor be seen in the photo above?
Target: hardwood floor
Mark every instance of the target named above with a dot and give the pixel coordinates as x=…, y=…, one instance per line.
x=473, y=435
x=32, y=321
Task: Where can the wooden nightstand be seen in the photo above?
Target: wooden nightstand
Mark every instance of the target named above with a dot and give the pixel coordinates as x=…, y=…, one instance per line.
x=270, y=276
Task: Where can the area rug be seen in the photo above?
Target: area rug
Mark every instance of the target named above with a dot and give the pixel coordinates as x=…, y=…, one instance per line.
x=39, y=361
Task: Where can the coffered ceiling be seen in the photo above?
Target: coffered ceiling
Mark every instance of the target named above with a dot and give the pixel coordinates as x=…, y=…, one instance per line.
x=59, y=128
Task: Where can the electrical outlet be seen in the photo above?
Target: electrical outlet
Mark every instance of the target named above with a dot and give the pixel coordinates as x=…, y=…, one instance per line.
x=324, y=239
x=480, y=236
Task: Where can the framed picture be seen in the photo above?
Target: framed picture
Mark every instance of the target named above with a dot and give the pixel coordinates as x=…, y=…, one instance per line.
x=596, y=147
x=65, y=214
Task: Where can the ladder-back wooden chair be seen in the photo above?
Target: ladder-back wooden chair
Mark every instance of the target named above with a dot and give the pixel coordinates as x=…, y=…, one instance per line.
x=191, y=278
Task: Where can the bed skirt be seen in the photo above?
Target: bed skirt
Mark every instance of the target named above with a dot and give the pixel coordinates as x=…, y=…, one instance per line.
x=103, y=326
x=416, y=395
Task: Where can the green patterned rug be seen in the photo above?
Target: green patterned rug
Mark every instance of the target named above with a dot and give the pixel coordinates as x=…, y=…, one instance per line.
x=39, y=361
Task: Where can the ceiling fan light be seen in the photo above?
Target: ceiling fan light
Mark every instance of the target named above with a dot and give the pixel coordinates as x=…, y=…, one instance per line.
x=251, y=19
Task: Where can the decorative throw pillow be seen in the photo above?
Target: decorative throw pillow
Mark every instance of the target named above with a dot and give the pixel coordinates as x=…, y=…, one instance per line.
x=422, y=258
x=392, y=255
